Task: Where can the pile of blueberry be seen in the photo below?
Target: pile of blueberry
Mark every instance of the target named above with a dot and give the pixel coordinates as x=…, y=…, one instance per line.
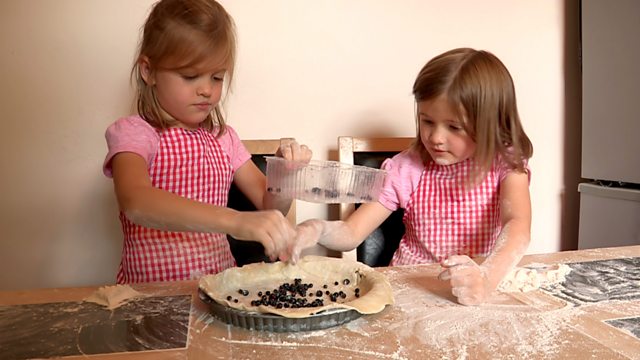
x=332, y=194
x=296, y=295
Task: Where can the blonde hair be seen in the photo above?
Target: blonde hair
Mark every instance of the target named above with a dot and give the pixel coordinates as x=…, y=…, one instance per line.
x=180, y=34
x=480, y=88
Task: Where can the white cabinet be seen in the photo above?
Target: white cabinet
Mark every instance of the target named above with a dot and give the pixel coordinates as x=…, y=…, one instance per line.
x=608, y=217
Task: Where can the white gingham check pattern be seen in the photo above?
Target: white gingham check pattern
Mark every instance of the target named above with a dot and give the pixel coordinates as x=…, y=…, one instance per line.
x=192, y=164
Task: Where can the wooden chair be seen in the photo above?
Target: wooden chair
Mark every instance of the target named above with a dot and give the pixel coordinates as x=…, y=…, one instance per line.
x=246, y=252
x=378, y=248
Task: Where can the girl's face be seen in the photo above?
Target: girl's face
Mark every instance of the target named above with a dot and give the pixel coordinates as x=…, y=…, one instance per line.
x=442, y=132
x=188, y=95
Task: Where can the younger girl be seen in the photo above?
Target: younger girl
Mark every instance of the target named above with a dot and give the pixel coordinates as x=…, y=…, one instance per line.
x=464, y=184
x=173, y=163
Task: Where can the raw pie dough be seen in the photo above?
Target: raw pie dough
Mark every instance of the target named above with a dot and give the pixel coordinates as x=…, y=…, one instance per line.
x=375, y=290
x=533, y=276
x=114, y=296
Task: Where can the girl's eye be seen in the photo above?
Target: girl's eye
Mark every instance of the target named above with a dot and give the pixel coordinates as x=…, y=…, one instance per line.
x=189, y=77
x=427, y=121
x=455, y=127
x=218, y=76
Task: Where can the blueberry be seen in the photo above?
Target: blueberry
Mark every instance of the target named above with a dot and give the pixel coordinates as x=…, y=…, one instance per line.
x=332, y=194
x=346, y=281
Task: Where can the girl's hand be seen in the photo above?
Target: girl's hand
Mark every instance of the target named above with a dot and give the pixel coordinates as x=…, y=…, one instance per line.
x=469, y=283
x=270, y=228
x=307, y=235
x=296, y=152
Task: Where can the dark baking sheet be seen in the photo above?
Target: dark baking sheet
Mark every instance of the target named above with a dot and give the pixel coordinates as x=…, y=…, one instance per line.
x=55, y=330
x=277, y=323
x=600, y=280
x=630, y=325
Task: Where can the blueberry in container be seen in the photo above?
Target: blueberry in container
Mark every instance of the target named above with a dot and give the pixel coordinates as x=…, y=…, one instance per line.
x=324, y=181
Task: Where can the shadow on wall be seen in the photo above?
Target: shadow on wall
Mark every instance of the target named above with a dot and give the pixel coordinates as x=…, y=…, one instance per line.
x=88, y=253
x=570, y=201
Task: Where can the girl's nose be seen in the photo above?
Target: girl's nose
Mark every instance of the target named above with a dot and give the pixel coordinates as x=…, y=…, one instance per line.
x=437, y=136
x=205, y=88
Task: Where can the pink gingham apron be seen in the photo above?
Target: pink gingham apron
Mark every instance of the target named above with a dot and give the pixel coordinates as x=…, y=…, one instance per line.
x=192, y=164
x=442, y=218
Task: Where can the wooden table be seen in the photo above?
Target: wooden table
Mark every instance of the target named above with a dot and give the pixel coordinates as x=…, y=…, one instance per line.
x=424, y=323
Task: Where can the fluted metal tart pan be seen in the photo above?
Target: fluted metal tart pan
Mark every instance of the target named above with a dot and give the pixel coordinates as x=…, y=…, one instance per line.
x=277, y=323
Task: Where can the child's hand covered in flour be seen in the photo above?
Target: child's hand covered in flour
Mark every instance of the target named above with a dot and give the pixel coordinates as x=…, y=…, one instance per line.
x=469, y=281
x=307, y=235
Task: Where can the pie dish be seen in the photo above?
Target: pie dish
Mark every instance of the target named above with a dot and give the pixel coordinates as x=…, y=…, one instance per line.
x=277, y=323
x=361, y=288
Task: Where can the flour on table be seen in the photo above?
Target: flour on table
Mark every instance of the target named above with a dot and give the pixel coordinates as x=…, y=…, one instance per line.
x=533, y=276
x=114, y=296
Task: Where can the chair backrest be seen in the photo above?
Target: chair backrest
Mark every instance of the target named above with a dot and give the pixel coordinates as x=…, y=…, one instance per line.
x=246, y=252
x=378, y=248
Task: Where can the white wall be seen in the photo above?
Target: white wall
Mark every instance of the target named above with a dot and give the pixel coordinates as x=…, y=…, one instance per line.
x=313, y=70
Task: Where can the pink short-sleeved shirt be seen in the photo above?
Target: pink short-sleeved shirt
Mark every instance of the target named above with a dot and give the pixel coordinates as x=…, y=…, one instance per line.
x=133, y=134
x=403, y=174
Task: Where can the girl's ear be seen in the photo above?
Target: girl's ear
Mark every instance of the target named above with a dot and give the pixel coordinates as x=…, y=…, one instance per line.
x=145, y=70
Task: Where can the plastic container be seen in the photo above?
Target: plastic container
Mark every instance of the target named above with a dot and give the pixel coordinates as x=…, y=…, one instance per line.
x=323, y=181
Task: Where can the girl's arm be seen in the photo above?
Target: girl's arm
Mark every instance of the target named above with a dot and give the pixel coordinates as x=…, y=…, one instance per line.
x=471, y=283
x=340, y=235
x=513, y=240
x=155, y=208
x=253, y=184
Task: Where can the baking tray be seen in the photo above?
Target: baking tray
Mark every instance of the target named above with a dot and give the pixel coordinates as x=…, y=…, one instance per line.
x=277, y=323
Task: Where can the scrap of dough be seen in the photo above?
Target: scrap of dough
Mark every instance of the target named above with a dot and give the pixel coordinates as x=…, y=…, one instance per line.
x=113, y=296
x=533, y=276
x=374, y=287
